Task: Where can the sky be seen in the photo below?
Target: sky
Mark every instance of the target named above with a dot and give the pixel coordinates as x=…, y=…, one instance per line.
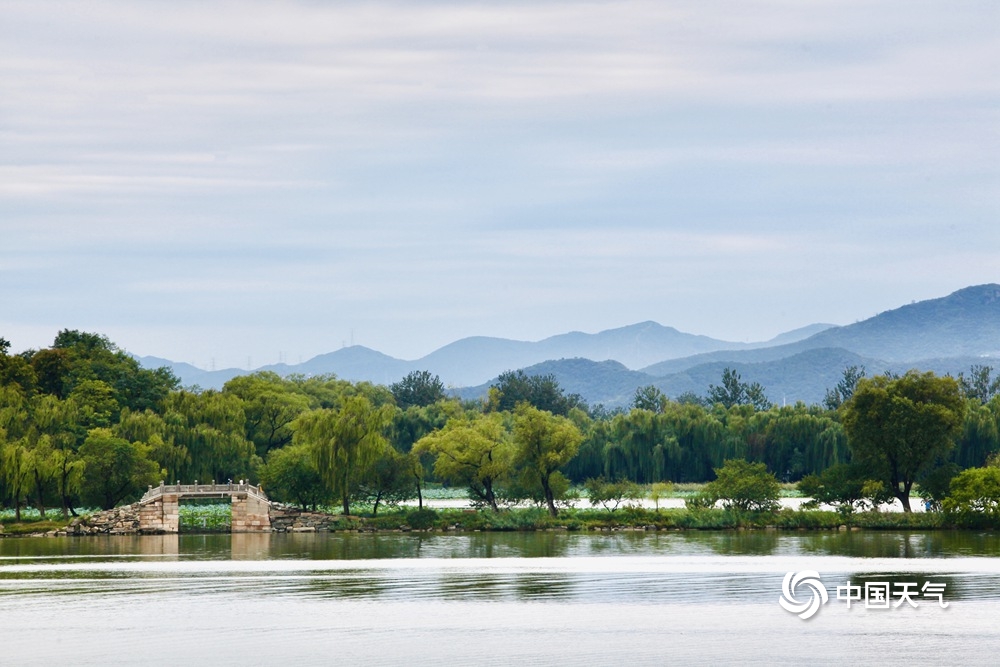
x=233, y=184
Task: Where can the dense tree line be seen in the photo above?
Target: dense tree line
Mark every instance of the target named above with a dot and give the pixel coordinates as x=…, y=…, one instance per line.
x=82, y=424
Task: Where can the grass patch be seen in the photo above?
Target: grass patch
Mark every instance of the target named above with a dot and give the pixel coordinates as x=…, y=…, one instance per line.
x=31, y=527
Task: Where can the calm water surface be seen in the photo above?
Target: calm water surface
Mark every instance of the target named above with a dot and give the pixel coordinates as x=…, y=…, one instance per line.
x=490, y=598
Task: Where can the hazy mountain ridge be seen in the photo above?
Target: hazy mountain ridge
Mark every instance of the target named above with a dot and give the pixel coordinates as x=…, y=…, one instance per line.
x=944, y=335
x=964, y=323
x=473, y=360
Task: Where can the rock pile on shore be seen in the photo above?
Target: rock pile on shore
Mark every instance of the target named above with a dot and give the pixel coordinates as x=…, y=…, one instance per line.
x=118, y=521
x=286, y=519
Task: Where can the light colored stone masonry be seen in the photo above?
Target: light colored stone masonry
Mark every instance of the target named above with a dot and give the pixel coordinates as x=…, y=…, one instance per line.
x=251, y=515
x=162, y=515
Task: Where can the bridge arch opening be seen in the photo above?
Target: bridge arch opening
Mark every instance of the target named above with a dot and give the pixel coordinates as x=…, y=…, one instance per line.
x=205, y=515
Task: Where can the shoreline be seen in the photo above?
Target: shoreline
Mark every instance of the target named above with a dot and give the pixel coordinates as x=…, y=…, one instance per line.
x=453, y=520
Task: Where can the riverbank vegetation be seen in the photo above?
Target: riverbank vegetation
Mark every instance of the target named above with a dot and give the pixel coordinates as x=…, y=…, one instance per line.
x=82, y=424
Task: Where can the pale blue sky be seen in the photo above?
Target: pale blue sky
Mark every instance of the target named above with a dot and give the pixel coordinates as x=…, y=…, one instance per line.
x=218, y=181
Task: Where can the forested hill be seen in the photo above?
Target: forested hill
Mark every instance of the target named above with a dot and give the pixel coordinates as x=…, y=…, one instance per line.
x=953, y=331
x=802, y=377
x=474, y=360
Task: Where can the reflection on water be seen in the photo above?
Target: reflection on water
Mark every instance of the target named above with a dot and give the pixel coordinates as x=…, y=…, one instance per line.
x=542, y=598
x=378, y=546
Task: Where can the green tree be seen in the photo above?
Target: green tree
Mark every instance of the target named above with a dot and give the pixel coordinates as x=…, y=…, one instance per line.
x=418, y=388
x=845, y=388
x=980, y=433
x=43, y=426
x=543, y=443
x=416, y=421
x=89, y=356
x=643, y=447
x=658, y=491
x=979, y=385
x=611, y=494
x=96, y=406
x=324, y=391
x=52, y=368
x=476, y=452
x=205, y=435
x=291, y=476
x=148, y=427
x=845, y=486
x=16, y=464
x=116, y=469
x=745, y=486
x=513, y=388
x=974, y=498
x=390, y=480
x=792, y=440
x=703, y=439
x=590, y=457
x=733, y=391
x=270, y=405
x=16, y=370
x=649, y=398
x=344, y=442
x=935, y=483
x=900, y=426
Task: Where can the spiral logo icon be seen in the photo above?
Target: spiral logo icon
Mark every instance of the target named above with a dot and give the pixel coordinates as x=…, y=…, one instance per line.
x=807, y=608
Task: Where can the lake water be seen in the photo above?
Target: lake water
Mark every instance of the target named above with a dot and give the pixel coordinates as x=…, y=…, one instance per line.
x=492, y=598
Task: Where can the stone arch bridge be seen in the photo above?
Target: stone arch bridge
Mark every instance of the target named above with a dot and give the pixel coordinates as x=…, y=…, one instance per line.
x=159, y=507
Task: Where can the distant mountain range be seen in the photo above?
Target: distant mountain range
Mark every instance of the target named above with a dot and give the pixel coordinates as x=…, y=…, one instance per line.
x=945, y=335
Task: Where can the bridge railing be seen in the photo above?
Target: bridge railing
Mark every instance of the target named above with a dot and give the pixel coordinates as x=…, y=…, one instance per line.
x=227, y=489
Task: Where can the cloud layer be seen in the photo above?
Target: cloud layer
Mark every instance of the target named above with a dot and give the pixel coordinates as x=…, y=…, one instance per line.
x=217, y=181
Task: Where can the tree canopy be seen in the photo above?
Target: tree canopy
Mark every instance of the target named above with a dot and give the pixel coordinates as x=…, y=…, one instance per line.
x=901, y=426
x=543, y=443
x=475, y=451
x=344, y=442
x=513, y=388
x=733, y=391
x=418, y=388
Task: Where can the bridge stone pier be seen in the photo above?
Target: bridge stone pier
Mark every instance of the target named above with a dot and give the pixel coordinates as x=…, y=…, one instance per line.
x=162, y=514
x=159, y=508
x=251, y=514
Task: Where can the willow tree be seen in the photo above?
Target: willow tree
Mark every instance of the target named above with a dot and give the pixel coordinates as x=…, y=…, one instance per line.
x=474, y=452
x=270, y=404
x=345, y=443
x=643, y=448
x=543, y=443
x=899, y=427
x=16, y=462
x=206, y=435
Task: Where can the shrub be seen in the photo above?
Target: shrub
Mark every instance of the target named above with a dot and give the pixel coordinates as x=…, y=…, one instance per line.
x=974, y=499
x=846, y=487
x=706, y=519
x=935, y=485
x=660, y=490
x=421, y=519
x=611, y=494
x=745, y=486
x=700, y=501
